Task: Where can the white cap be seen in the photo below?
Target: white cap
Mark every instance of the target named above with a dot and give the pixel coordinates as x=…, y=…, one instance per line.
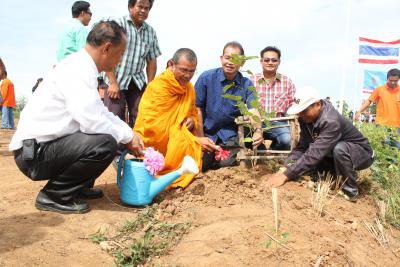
x=303, y=98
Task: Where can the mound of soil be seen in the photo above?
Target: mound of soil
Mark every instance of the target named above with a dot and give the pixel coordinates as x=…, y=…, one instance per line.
x=230, y=211
x=232, y=216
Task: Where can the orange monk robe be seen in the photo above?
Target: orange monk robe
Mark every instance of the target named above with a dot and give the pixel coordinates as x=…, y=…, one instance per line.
x=162, y=110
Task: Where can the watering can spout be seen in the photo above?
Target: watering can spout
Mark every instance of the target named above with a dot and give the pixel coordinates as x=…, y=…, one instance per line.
x=189, y=166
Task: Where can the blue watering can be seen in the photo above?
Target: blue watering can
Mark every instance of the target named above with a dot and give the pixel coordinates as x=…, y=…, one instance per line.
x=138, y=187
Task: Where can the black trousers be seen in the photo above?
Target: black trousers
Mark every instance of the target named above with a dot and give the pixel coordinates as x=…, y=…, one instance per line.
x=70, y=163
x=130, y=97
x=346, y=159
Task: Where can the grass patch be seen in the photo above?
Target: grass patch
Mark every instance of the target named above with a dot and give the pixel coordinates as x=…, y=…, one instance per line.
x=137, y=241
x=385, y=170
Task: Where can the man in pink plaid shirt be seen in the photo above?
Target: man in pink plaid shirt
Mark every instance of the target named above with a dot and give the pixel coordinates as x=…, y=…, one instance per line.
x=276, y=93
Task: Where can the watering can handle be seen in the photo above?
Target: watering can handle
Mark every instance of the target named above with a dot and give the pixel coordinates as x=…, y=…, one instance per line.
x=120, y=163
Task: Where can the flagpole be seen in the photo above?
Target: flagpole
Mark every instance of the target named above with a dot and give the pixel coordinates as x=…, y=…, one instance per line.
x=345, y=59
x=357, y=78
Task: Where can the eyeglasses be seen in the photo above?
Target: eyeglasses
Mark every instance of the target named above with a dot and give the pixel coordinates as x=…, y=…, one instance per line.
x=273, y=60
x=88, y=12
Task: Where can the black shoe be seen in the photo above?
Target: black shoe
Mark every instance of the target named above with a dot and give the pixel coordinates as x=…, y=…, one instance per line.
x=347, y=196
x=90, y=193
x=43, y=202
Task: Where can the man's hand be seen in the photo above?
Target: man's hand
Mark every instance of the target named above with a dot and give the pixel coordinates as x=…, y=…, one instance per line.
x=277, y=179
x=136, y=146
x=189, y=122
x=207, y=144
x=357, y=116
x=258, y=138
x=113, y=90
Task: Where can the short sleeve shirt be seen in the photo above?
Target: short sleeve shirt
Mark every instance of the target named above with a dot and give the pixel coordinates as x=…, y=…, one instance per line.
x=218, y=112
x=141, y=46
x=388, y=105
x=72, y=40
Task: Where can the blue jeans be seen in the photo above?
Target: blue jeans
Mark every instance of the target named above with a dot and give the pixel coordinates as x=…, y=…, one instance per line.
x=7, y=118
x=280, y=137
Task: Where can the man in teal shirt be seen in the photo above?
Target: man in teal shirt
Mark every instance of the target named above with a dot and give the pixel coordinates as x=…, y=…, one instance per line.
x=74, y=37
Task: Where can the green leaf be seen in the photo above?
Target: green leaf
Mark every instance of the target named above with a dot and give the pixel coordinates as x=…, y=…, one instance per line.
x=243, y=109
x=248, y=140
x=285, y=235
x=251, y=88
x=267, y=244
x=226, y=87
x=256, y=118
x=260, y=81
x=249, y=72
x=232, y=97
x=251, y=57
x=255, y=104
x=237, y=59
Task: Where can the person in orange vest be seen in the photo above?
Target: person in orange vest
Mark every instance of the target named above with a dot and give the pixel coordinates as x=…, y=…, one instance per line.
x=8, y=95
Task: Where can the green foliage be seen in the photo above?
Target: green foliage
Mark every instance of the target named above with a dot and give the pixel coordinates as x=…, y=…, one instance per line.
x=144, y=217
x=386, y=168
x=98, y=237
x=138, y=241
x=140, y=250
x=346, y=108
x=248, y=140
x=232, y=97
x=240, y=59
x=21, y=102
x=255, y=103
x=282, y=240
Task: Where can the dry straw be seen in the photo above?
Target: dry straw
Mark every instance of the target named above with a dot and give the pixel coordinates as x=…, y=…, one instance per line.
x=377, y=231
x=320, y=197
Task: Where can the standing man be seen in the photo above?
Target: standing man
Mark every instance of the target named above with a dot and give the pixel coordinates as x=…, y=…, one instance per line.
x=74, y=37
x=276, y=93
x=71, y=140
x=8, y=104
x=328, y=142
x=216, y=113
x=387, y=98
x=128, y=81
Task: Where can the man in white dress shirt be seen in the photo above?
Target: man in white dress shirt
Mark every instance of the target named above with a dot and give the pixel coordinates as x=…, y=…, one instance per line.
x=65, y=134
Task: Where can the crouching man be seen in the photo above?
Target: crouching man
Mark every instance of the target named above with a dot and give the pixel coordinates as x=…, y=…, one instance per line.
x=65, y=134
x=328, y=143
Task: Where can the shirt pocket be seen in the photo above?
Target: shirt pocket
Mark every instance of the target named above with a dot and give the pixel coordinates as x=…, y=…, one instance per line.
x=144, y=49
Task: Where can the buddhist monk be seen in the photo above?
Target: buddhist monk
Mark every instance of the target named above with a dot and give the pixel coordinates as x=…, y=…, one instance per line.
x=168, y=119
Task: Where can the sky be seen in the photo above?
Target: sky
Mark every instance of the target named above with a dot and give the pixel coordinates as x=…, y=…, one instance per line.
x=316, y=48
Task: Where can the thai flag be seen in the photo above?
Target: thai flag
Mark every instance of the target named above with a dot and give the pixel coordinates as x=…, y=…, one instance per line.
x=378, y=52
x=373, y=79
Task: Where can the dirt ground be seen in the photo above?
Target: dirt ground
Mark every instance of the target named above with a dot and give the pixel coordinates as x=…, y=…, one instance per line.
x=231, y=215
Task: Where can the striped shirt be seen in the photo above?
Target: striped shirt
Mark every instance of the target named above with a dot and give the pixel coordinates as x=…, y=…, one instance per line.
x=141, y=46
x=276, y=96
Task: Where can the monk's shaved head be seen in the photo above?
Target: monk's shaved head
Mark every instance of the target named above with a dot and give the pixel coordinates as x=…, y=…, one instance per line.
x=187, y=53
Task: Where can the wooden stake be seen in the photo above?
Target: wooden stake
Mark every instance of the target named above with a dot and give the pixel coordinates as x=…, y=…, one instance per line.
x=275, y=207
